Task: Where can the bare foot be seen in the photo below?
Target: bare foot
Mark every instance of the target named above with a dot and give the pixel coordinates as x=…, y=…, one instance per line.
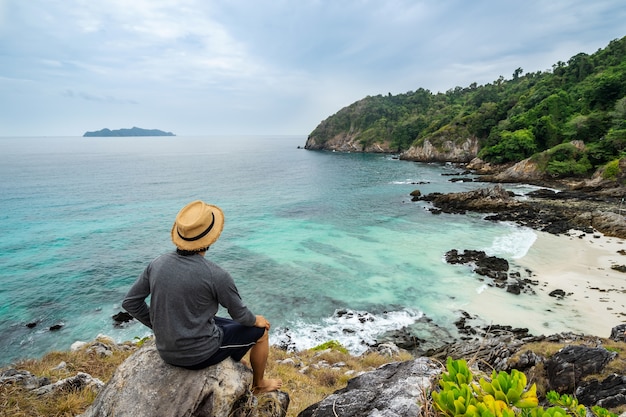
x=267, y=385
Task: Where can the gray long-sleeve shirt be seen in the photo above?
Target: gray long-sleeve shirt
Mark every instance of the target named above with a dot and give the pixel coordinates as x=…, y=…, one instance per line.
x=185, y=294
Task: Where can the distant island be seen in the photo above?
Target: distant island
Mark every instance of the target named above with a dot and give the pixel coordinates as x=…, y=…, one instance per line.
x=135, y=131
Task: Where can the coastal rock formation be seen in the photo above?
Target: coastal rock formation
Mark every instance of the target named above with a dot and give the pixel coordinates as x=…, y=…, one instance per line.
x=490, y=199
x=441, y=149
x=400, y=388
x=566, y=368
x=545, y=210
x=145, y=386
x=523, y=171
x=347, y=142
x=495, y=268
x=608, y=393
x=491, y=266
x=445, y=151
x=395, y=389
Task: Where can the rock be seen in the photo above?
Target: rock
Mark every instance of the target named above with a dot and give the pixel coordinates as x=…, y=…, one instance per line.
x=618, y=333
x=558, y=293
x=582, y=209
x=479, y=166
x=121, y=317
x=566, y=368
x=145, y=386
x=78, y=345
x=385, y=349
x=395, y=389
x=514, y=288
x=345, y=142
x=23, y=378
x=443, y=150
x=609, y=393
x=484, y=200
x=612, y=224
x=78, y=382
x=489, y=266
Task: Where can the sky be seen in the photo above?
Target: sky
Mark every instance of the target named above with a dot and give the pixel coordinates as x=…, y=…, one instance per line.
x=267, y=67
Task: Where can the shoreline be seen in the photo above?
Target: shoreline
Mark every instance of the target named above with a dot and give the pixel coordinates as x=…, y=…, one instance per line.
x=580, y=265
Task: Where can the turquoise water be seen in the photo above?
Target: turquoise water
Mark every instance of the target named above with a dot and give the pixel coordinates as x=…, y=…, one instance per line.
x=307, y=233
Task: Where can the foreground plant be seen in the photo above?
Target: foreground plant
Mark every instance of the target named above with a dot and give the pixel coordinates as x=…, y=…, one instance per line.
x=502, y=395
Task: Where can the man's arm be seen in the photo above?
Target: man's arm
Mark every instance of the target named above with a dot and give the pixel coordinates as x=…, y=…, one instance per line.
x=228, y=296
x=135, y=300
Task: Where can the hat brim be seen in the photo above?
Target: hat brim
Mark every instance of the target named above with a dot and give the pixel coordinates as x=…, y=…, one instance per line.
x=206, y=240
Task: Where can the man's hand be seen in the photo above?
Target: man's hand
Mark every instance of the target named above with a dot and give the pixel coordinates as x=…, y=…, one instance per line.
x=262, y=322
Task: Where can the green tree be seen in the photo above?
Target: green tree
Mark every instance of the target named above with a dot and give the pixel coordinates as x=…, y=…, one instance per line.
x=512, y=146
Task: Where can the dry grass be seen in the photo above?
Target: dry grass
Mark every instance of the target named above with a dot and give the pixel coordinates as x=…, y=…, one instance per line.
x=312, y=376
x=16, y=401
x=315, y=375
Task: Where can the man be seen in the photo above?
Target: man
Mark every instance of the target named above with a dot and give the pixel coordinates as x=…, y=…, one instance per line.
x=185, y=292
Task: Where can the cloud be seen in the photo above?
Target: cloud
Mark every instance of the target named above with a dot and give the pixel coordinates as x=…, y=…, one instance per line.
x=269, y=66
x=90, y=97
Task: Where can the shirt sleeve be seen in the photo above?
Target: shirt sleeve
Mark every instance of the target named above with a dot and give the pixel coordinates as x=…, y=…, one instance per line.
x=135, y=300
x=230, y=299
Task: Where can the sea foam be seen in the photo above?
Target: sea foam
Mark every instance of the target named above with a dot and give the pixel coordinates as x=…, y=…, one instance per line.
x=515, y=244
x=357, y=331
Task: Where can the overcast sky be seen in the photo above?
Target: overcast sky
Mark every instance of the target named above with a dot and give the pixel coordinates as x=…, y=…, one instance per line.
x=203, y=67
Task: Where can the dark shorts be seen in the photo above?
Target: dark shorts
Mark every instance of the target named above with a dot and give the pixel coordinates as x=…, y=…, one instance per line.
x=237, y=341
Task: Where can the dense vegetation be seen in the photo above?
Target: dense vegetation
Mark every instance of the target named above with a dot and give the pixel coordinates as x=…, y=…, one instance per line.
x=583, y=99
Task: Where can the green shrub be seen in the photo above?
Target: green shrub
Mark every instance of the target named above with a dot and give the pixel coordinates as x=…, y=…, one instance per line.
x=511, y=147
x=502, y=395
x=331, y=344
x=611, y=170
x=569, y=168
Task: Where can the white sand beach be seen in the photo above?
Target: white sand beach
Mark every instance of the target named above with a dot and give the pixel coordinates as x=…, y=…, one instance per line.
x=578, y=264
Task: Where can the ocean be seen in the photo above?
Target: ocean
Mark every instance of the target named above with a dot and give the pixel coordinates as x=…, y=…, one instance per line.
x=309, y=235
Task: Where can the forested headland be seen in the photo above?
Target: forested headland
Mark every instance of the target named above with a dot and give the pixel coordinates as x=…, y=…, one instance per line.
x=530, y=114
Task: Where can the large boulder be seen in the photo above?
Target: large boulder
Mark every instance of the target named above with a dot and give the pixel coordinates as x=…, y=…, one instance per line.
x=145, y=386
x=396, y=389
x=566, y=368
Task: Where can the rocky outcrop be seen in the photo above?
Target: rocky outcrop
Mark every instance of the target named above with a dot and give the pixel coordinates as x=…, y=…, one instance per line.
x=445, y=151
x=402, y=388
x=347, y=142
x=145, y=386
x=523, y=171
x=488, y=199
x=395, y=389
x=566, y=368
x=545, y=210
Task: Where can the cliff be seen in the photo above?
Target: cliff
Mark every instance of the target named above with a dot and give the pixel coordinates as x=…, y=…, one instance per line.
x=447, y=150
x=347, y=142
x=134, y=131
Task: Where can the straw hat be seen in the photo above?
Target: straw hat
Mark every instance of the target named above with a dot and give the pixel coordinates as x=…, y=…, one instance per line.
x=197, y=226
